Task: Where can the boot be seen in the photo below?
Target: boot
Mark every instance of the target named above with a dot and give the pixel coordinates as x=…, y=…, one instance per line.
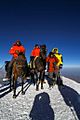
x=6, y=77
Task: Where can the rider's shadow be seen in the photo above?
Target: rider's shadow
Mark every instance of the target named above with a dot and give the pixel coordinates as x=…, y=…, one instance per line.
x=41, y=109
x=71, y=98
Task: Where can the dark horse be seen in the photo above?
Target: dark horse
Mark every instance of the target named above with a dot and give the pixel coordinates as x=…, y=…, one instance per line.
x=19, y=69
x=39, y=70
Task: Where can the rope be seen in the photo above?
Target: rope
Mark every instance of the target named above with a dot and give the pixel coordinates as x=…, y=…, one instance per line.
x=2, y=67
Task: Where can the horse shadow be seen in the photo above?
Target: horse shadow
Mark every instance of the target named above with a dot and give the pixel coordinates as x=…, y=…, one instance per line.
x=27, y=84
x=41, y=108
x=5, y=88
x=71, y=98
x=5, y=93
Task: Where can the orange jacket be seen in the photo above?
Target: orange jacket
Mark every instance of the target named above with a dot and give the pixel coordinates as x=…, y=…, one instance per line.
x=13, y=49
x=35, y=52
x=51, y=63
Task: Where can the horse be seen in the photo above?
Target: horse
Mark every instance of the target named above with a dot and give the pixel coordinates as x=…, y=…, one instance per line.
x=19, y=69
x=39, y=70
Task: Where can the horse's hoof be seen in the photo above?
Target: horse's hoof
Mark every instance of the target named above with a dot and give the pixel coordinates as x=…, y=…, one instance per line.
x=10, y=90
x=14, y=96
x=49, y=88
x=44, y=82
x=37, y=89
x=33, y=83
x=42, y=88
x=23, y=93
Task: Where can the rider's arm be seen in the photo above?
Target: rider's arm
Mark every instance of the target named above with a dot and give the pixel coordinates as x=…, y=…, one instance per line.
x=22, y=49
x=32, y=53
x=12, y=51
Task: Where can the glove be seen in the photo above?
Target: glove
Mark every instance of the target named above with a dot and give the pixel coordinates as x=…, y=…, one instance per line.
x=17, y=51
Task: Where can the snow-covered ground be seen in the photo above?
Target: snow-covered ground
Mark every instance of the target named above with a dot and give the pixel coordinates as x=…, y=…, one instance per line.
x=57, y=103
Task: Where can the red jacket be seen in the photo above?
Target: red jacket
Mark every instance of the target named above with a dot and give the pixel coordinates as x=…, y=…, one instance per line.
x=13, y=49
x=51, y=65
x=35, y=52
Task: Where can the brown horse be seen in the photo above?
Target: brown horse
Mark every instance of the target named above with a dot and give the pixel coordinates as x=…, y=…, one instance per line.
x=19, y=70
x=39, y=70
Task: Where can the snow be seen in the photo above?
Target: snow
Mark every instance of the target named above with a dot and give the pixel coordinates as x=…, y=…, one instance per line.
x=57, y=103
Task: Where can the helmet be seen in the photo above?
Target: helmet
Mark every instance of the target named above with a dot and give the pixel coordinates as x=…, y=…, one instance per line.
x=51, y=54
x=36, y=45
x=43, y=46
x=18, y=42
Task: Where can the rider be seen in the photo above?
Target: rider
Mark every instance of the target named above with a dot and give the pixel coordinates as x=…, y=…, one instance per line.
x=34, y=53
x=15, y=50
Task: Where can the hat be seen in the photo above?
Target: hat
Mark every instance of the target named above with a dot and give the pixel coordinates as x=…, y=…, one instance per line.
x=55, y=49
x=18, y=41
x=36, y=45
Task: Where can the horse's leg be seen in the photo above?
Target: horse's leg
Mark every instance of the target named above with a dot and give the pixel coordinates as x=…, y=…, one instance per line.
x=32, y=78
x=10, y=84
x=42, y=79
x=42, y=84
x=22, y=86
x=14, y=86
x=38, y=81
x=37, y=85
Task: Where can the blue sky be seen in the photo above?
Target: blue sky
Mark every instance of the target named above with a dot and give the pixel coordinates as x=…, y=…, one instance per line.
x=54, y=23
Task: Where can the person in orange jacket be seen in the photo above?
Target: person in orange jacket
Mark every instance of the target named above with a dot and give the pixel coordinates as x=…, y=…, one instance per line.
x=34, y=53
x=15, y=50
x=51, y=62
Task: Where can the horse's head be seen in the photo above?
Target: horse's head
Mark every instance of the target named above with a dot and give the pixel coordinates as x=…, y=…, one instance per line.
x=43, y=51
x=20, y=66
x=20, y=61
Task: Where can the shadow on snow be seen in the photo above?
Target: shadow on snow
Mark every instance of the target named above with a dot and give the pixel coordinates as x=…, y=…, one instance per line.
x=41, y=108
x=71, y=98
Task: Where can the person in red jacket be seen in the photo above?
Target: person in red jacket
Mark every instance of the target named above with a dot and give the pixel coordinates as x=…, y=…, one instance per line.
x=34, y=53
x=51, y=62
x=15, y=50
